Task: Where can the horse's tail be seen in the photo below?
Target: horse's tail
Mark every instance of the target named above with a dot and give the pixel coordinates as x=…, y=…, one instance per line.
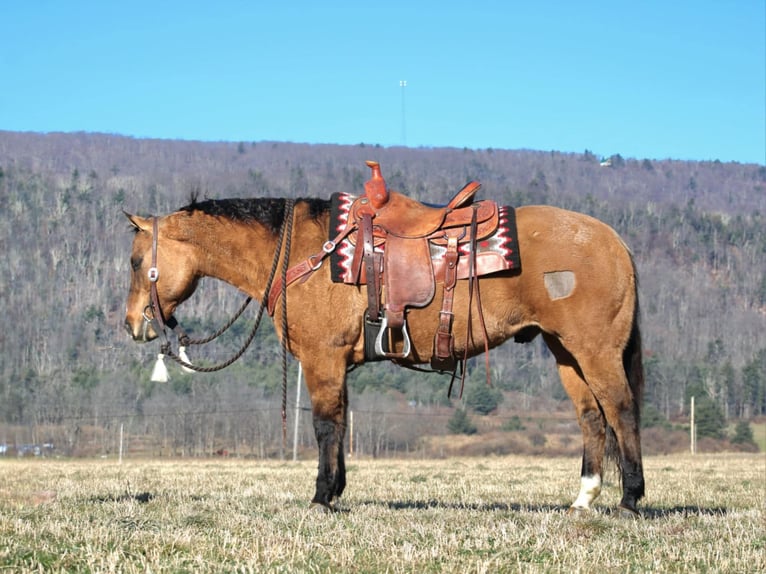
x=632, y=355
x=632, y=362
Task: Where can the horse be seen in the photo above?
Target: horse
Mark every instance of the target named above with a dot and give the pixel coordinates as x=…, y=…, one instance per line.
x=577, y=288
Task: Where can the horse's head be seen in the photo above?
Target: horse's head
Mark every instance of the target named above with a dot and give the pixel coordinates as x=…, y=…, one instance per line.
x=163, y=259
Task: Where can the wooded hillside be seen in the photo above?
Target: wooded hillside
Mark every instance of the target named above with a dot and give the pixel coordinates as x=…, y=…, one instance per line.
x=696, y=229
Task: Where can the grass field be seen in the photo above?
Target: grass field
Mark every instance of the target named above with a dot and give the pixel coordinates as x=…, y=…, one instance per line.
x=504, y=514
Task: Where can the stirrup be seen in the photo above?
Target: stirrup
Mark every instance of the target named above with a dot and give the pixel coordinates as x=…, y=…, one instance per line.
x=407, y=347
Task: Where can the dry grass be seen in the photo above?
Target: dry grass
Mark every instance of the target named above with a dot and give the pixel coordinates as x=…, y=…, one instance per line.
x=501, y=514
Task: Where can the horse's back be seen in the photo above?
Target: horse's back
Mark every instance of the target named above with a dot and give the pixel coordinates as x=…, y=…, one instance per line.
x=579, y=233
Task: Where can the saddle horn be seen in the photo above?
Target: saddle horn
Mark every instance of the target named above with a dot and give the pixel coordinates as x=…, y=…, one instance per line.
x=375, y=187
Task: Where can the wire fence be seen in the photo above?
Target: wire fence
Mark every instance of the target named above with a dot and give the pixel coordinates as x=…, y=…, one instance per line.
x=257, y=431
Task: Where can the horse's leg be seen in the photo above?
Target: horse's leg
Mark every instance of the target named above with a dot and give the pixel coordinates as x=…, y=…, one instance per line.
x=591, y=421
x=331, y=474
x=593, y=428
x=340, y=475
x=606, y=377
x=329, y=401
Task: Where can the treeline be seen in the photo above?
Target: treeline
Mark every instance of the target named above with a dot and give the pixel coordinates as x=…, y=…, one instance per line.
x=696, y=229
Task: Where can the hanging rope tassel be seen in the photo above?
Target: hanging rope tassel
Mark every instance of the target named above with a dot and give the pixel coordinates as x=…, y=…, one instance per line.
x=185, y=358
x=160, y=371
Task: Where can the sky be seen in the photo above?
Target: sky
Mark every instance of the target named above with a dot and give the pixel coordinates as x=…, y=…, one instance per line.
x=679, y=80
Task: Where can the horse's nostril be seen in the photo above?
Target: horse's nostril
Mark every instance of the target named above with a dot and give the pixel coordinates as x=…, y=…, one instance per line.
x=128, y=328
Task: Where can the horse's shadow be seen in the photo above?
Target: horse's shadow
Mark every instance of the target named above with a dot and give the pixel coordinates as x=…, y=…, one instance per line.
x=648, y=513
x=651, y=513
x=140, y=497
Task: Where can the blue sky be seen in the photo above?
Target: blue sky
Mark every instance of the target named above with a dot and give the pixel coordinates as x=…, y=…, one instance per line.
x=655, y=79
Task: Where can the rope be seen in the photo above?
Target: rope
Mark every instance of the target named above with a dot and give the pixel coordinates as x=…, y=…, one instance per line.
x=186, y=341
x=285, y=340
x=213, y=368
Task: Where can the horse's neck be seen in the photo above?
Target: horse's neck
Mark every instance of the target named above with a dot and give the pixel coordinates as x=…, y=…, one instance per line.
x=242, y=254
x=234, y=252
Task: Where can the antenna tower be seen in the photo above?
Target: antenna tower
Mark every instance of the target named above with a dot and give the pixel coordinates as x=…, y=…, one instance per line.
x=403, y=85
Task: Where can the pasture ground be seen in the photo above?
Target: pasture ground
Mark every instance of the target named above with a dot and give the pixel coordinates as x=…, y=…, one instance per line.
x=493, y=514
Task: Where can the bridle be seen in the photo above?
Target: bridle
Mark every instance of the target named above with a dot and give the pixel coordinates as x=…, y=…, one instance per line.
x=154, y=300
x=153, y=311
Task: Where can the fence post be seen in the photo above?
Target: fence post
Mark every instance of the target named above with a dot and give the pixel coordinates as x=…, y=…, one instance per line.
x=350, y=434
x=297, y=413
x=692, y=429
x=121, y=435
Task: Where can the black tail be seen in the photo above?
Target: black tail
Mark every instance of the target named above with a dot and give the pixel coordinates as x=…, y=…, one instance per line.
x=632, y=362
x=632, y=356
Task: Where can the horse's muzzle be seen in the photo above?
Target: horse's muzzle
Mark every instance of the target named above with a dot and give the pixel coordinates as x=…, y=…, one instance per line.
x=144, y=333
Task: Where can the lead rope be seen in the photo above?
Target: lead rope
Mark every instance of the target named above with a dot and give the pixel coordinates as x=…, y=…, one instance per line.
x=285, y=341
x=186, y=341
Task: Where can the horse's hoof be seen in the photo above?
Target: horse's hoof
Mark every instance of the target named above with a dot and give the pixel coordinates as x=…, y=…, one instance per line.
x=322, y=508
x=628, y=513
x=578, y=511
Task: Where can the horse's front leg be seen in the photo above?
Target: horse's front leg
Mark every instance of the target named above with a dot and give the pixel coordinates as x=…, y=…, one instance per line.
x=331, y=476
x=329, y=400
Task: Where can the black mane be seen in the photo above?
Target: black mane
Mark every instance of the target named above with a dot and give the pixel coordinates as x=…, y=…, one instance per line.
x=267, y=211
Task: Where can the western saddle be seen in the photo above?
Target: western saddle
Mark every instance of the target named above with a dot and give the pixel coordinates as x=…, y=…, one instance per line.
x=394, y=239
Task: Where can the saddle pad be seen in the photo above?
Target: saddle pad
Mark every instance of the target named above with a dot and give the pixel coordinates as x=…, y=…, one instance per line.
x=498, y=252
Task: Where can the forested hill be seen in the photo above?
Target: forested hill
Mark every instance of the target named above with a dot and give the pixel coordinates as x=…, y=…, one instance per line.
x=696, y=229
x=248, y=168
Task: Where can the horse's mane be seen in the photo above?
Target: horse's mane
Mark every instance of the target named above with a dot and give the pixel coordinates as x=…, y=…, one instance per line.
x=268, y=211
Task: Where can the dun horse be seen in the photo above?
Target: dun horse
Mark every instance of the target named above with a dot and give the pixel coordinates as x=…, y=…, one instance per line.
x=577, y=287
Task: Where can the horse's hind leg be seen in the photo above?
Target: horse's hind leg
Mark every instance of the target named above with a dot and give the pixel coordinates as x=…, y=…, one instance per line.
x=607, y=379
x=593, y=428
x=592, y=425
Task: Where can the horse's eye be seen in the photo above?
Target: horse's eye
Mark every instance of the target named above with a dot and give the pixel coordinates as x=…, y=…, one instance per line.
x=136, y=263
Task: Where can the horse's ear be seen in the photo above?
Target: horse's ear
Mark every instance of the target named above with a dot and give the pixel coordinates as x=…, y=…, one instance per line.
x=140, y=223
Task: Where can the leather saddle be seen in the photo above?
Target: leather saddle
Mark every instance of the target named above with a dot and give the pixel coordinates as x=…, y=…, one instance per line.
x=394, y=239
